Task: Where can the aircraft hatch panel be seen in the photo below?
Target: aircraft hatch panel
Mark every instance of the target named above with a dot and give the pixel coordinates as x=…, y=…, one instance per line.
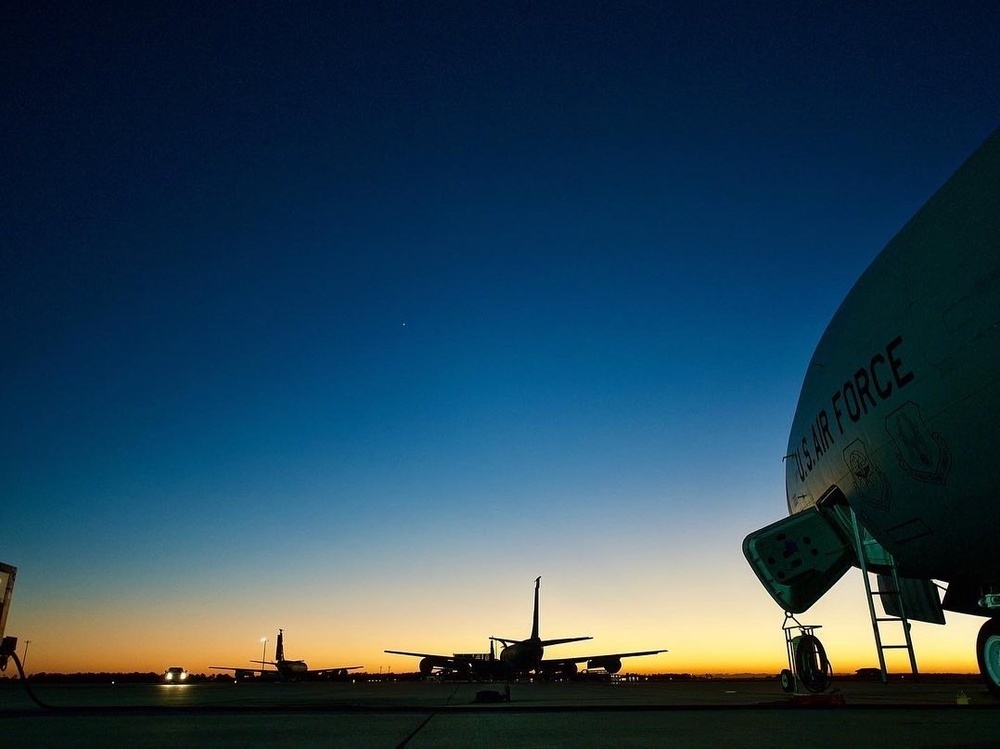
x=917, y=598
x=798, y=558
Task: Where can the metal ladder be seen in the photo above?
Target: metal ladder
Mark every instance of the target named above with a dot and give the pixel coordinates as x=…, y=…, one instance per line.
x=885, y=561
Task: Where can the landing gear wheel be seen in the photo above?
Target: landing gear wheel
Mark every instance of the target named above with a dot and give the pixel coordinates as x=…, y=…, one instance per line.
x=988, y=653
x=787, y=680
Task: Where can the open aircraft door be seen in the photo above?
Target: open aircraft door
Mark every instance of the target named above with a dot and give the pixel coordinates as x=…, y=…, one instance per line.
x=799, y=558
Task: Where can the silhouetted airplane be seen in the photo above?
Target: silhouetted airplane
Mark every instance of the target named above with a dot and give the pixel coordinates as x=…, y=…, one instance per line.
x=525, y=656
x=892, y=461
x=286, y=670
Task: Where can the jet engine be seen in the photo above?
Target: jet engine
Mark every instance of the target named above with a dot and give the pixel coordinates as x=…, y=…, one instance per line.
x=559, y=671
x=611, y=665
x=426, y=666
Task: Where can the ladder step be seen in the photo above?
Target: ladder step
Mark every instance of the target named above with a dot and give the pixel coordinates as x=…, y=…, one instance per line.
x=885, y=596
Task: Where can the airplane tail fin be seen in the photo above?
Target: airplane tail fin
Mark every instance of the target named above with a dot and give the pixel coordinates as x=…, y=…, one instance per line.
x=534, y=617
x=279, y=649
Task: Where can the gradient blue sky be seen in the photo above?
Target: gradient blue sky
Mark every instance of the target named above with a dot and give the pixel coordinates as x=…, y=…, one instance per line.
x=353, y=319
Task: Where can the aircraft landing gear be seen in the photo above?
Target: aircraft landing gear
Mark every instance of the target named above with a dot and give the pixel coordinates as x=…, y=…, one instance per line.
x=807, y=662
x=988, y=654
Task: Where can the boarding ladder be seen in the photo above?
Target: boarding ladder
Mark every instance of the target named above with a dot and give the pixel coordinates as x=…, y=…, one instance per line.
x=871, y=554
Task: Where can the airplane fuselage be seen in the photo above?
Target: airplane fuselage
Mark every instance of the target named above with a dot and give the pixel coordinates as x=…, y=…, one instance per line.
x=291, y=669
x=900, y=406
x=521, y=656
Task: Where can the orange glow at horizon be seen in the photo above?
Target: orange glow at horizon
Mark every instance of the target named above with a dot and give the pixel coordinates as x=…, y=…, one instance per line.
x=751, y=641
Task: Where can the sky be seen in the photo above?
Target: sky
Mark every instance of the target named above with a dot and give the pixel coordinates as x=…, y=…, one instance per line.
x=352, y=319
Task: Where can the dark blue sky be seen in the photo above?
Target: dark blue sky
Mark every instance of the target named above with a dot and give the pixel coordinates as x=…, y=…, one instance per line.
x=360, y=279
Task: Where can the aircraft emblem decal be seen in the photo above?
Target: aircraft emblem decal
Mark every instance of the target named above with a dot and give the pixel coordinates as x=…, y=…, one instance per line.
x=923, y=454
x=869, y=481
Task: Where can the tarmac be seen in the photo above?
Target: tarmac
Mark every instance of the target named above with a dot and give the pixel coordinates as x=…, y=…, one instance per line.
x=704, y=713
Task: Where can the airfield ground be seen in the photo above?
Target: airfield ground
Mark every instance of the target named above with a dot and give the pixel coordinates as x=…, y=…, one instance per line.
x=711, y=713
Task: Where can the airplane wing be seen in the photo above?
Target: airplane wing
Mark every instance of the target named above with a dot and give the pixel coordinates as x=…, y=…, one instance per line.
x=430, y=661
x=245, y=669
x=610, y=662
x=342, y=670
x=543, y=643
x=416, y=655
x=562, y=640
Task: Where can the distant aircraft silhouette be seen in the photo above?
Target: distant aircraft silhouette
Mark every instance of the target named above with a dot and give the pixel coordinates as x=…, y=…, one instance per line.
x=523, y=656
x=284, y=669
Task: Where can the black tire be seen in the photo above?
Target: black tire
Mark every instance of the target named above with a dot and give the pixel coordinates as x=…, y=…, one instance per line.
x=787, y=680
x=988, y=655
x=811, y=666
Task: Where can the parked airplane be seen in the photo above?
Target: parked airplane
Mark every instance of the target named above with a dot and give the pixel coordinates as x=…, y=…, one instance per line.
x=286, y=670
x=525, y=656
x=893, y=456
